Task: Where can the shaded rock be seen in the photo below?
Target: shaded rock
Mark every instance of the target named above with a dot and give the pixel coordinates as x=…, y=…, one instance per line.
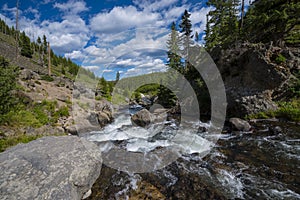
x=26, y=74
x=201, y=129
x=276, y=129
x=76, y=94
x=71, y=129
x=104, y=105
x=103, y=118
x=253, y=80
x=93, y=119
x=63, y=98
x=142, y=118
x=49, y=168
x=239, y=124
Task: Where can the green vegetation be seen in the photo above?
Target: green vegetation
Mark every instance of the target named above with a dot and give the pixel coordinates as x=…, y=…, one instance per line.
x=15, y=110
x=8, y=76
x=151, y=89
x=105, y=89
x=37, y=51
x=280, y=59
x=46, y=77
x=25, y=45
x=7, y=142
x=295, y=86
x=286, y=110
x=265, y=21
x=36, y=115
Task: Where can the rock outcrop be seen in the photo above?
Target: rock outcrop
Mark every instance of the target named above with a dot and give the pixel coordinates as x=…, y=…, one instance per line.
x=88, y=114
x=49, y=168
x=253, y=78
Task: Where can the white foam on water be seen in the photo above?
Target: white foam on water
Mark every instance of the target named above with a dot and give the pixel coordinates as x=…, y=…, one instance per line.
x=231, y=182
x=132, y=185
x=141, y=140
x=141, y=145
x=285, y=194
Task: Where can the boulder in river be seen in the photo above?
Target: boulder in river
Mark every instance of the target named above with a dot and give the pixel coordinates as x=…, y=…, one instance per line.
x=142, y=118
x=49, y=168
x=239, y=124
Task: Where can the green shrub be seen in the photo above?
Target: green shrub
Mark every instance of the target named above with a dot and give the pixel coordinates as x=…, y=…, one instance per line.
x=280, y=59
x=47, y=78
x=23, y=118
x=8, y=83
x=289, y=110
x=262, y=115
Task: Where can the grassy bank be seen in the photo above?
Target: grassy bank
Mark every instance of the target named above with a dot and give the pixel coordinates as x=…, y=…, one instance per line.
x=287, y=110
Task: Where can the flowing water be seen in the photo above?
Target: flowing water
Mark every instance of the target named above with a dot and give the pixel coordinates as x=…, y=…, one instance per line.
x=262, y=164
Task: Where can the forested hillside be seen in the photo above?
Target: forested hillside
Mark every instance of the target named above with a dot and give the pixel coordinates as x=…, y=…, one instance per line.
x=36, y=92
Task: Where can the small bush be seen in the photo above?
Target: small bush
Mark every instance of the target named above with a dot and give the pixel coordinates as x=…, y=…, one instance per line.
x=47, y=78
x=280, y=59
x=23, y=118
x=289, y=110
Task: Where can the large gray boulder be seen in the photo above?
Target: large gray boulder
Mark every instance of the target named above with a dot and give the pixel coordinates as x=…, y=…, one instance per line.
x=49, y=168
x=142, y=118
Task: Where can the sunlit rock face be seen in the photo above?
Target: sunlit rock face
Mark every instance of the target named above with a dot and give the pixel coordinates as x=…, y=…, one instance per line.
x=49, y=168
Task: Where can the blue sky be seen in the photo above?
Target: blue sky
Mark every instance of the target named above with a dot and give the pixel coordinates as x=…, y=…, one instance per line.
x=108, y=35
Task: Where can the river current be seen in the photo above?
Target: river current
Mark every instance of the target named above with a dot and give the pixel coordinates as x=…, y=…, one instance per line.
x=261, y=164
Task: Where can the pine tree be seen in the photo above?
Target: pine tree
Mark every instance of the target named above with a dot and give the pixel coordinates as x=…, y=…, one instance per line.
x=197, y=36
x=8, y=80
x=45, y=44
x=25, y=45
x=117, y=76
x=222, y=23
x=271, y=20
x=186, y=29
x=173, y=43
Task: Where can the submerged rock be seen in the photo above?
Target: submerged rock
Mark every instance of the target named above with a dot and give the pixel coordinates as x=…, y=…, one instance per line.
x=49, y=168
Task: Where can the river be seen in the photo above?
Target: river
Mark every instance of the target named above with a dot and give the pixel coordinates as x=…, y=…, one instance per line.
x=261, y=164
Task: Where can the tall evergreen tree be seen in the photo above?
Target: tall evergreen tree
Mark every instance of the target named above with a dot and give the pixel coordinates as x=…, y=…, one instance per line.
x=197, y=36
x=117, y=76
x=25, y=45
x=271, y=20
x=222, y=23
x=186, y=29
x=45, y=44
x=173, y=43
x=8, y=77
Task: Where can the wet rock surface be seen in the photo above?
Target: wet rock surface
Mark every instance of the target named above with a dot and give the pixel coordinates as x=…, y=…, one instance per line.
x=49, y=168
